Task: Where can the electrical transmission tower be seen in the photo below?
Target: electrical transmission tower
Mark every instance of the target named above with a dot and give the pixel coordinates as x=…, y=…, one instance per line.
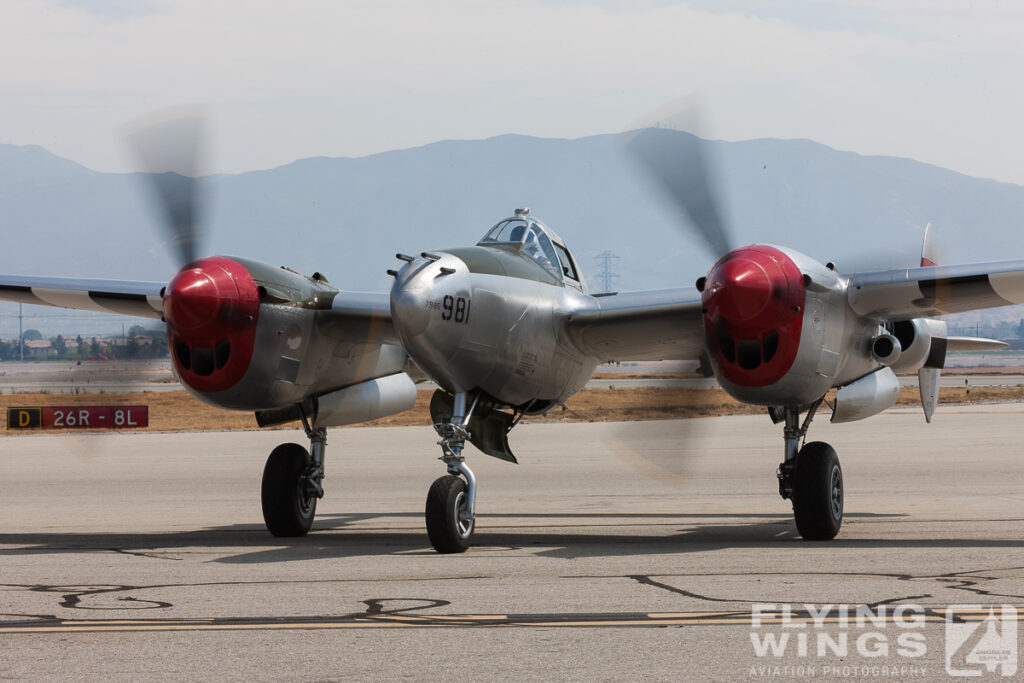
x=606, y=278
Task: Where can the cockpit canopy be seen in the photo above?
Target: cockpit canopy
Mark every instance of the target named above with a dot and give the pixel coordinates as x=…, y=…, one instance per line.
x=534, y=239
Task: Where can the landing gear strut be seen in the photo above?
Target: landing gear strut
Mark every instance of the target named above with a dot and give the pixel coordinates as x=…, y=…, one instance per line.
x=811, y=477
x=451, y=501
x=292, y=484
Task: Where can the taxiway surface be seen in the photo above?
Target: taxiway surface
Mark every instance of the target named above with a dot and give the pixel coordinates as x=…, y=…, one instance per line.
x=613, y=552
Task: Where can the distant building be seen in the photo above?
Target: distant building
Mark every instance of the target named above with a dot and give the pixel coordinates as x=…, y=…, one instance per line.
x=39, y=348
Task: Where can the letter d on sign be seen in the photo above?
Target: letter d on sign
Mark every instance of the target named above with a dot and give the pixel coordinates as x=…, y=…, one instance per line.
x=24, y=418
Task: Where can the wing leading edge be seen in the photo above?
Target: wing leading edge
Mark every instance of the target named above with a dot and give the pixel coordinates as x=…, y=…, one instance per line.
x=936, y=290
x=124, y=297
x=655, y=325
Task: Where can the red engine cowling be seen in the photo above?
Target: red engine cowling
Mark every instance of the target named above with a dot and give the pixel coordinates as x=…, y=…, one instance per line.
x=753, y=303
x=211, y=307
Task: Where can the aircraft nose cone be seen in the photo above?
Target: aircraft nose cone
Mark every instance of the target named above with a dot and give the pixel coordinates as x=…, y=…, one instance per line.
x=423, y=306
x=740, y=289
x=198, y=297
x=409, y=307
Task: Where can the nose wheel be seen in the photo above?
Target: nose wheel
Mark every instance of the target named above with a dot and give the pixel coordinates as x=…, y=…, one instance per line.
x=449, y=521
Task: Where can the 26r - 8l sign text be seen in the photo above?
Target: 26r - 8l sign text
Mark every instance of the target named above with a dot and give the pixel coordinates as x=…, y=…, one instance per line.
x=78, y=417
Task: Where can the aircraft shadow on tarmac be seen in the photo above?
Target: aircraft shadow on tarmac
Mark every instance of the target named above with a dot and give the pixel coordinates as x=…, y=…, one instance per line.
x=562, y=536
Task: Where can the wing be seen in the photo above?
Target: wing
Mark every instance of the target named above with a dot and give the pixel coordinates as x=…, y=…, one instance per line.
x=141, y=299
x=920, y=292
x=357, y=316
x=360, y=317
x=658, y=325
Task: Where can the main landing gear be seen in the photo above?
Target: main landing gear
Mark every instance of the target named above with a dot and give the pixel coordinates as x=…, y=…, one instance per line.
x=811, y=477
x=292, y=484
x=451, y=500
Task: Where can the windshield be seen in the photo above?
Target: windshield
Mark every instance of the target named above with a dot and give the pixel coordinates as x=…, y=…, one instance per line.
x=511, y=230
x=533, y=238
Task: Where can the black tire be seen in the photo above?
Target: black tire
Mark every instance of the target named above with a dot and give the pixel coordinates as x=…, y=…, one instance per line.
x=288, y=508
x=445, y=499
x=818, y=492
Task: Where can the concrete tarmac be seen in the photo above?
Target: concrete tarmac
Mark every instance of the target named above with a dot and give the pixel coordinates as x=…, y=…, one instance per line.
x=632, y=551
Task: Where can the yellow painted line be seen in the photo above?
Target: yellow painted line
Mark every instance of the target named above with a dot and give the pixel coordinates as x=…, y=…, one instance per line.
x=596, y=623
x=736, y=617
x=210, y=627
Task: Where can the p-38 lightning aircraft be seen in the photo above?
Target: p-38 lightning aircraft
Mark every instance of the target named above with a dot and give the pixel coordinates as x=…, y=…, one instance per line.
x=507, y=328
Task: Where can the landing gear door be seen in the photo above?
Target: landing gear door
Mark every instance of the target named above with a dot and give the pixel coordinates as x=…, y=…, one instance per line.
x=488, y=427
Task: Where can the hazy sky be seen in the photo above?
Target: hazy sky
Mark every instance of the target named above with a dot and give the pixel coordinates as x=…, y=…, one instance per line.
x=934, y=81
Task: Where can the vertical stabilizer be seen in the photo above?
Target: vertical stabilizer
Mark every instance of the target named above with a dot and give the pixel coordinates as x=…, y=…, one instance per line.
x=929, y=253
x=928, y=377
x=928, y=382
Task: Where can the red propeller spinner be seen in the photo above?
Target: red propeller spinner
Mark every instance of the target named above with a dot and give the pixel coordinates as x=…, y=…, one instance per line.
x=753, y=301
x=211, y=307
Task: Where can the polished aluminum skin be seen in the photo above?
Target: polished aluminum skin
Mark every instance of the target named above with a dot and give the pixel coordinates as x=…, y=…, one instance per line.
x=303, y=347
x=508, y=339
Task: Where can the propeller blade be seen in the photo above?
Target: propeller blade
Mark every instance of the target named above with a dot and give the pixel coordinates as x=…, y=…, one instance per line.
x=675, y=161
x=168, y=145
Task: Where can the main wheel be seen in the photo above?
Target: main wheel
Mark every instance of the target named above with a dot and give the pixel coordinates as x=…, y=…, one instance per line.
x=817, y=492
x=288, y=504
x=447, y=501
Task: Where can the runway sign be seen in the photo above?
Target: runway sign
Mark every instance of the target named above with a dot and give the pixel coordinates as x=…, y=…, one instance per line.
x=78, y=417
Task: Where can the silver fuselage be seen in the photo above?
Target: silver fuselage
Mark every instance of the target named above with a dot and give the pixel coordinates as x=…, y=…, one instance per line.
x=485, y=318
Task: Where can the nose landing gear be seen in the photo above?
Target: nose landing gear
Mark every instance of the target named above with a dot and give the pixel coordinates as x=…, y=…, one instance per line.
x=451, y=501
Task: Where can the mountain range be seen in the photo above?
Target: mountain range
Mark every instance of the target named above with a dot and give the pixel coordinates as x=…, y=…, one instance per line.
x=346, y=217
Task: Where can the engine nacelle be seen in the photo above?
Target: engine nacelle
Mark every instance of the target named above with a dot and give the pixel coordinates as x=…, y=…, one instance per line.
x=764, y=322
x=923, y=344
x=780, y=331
x=236, y=326
x=867, y=396
x=246, y=335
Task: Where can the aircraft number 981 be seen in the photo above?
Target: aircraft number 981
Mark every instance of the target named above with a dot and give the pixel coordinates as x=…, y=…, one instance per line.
x=455, y=307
